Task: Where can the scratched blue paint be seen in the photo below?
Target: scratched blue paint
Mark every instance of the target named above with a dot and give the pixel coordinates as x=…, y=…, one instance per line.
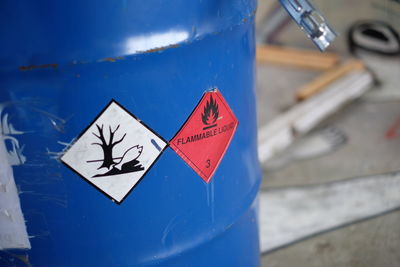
x=61, y=62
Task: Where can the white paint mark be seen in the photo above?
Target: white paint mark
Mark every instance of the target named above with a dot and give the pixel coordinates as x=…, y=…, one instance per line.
x=291, y=214
x=12, y=146
x=3, y=188
x=6, y=127
x=14, y=154
x=13, y=234
x=56, y=155
x=5, y=212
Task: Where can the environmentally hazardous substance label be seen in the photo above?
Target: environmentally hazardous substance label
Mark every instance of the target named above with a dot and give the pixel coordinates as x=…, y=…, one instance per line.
x=204, y=138
x=114, y=152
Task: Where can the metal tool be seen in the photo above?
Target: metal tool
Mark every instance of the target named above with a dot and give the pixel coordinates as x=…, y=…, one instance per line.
x=310, y=21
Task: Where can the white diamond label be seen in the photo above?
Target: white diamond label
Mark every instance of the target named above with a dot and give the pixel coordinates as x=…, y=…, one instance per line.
x=115, y=152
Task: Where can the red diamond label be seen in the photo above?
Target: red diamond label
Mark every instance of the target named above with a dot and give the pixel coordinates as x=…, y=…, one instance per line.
x=204, y=138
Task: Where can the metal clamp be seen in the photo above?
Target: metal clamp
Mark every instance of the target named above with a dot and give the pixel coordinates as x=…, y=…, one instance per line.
x=310, y=21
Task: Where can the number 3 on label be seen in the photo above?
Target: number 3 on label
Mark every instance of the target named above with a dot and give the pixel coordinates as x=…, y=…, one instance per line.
x=208, y=163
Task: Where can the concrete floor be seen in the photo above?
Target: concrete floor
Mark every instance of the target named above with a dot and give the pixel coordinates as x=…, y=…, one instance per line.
x=375, y=242
x=372, y=242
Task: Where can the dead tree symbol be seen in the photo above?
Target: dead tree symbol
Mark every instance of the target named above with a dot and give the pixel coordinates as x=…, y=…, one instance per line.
x=107, y=147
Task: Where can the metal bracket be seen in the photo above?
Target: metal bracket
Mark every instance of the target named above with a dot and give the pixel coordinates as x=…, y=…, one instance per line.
x=310, y=21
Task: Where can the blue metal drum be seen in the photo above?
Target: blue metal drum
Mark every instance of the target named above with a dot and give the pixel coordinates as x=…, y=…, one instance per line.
x=61, y=63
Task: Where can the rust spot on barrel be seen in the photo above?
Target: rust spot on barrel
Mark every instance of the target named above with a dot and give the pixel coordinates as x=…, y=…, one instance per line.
x=112, y=59
x=109, y=59
x=158, y=49
x=44, y=66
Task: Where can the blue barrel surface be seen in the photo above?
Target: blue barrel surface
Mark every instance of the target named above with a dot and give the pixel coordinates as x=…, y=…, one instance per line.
x=61, y=62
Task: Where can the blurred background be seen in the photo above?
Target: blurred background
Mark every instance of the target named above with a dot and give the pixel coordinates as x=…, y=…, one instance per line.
x=329, y=137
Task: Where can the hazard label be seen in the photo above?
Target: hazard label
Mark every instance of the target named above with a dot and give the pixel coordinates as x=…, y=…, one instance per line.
x=204, y=138
x=114, y=152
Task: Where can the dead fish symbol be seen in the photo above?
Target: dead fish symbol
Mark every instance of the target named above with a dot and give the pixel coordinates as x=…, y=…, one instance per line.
x=130, y=155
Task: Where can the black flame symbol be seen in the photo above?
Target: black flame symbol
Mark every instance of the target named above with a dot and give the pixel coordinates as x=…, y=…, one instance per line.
x=210, y=114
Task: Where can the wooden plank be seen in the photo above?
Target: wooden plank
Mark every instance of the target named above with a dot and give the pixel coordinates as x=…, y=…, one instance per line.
x=309, y=59
x=278, y=134
x=324, y=207
x=327, y=78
